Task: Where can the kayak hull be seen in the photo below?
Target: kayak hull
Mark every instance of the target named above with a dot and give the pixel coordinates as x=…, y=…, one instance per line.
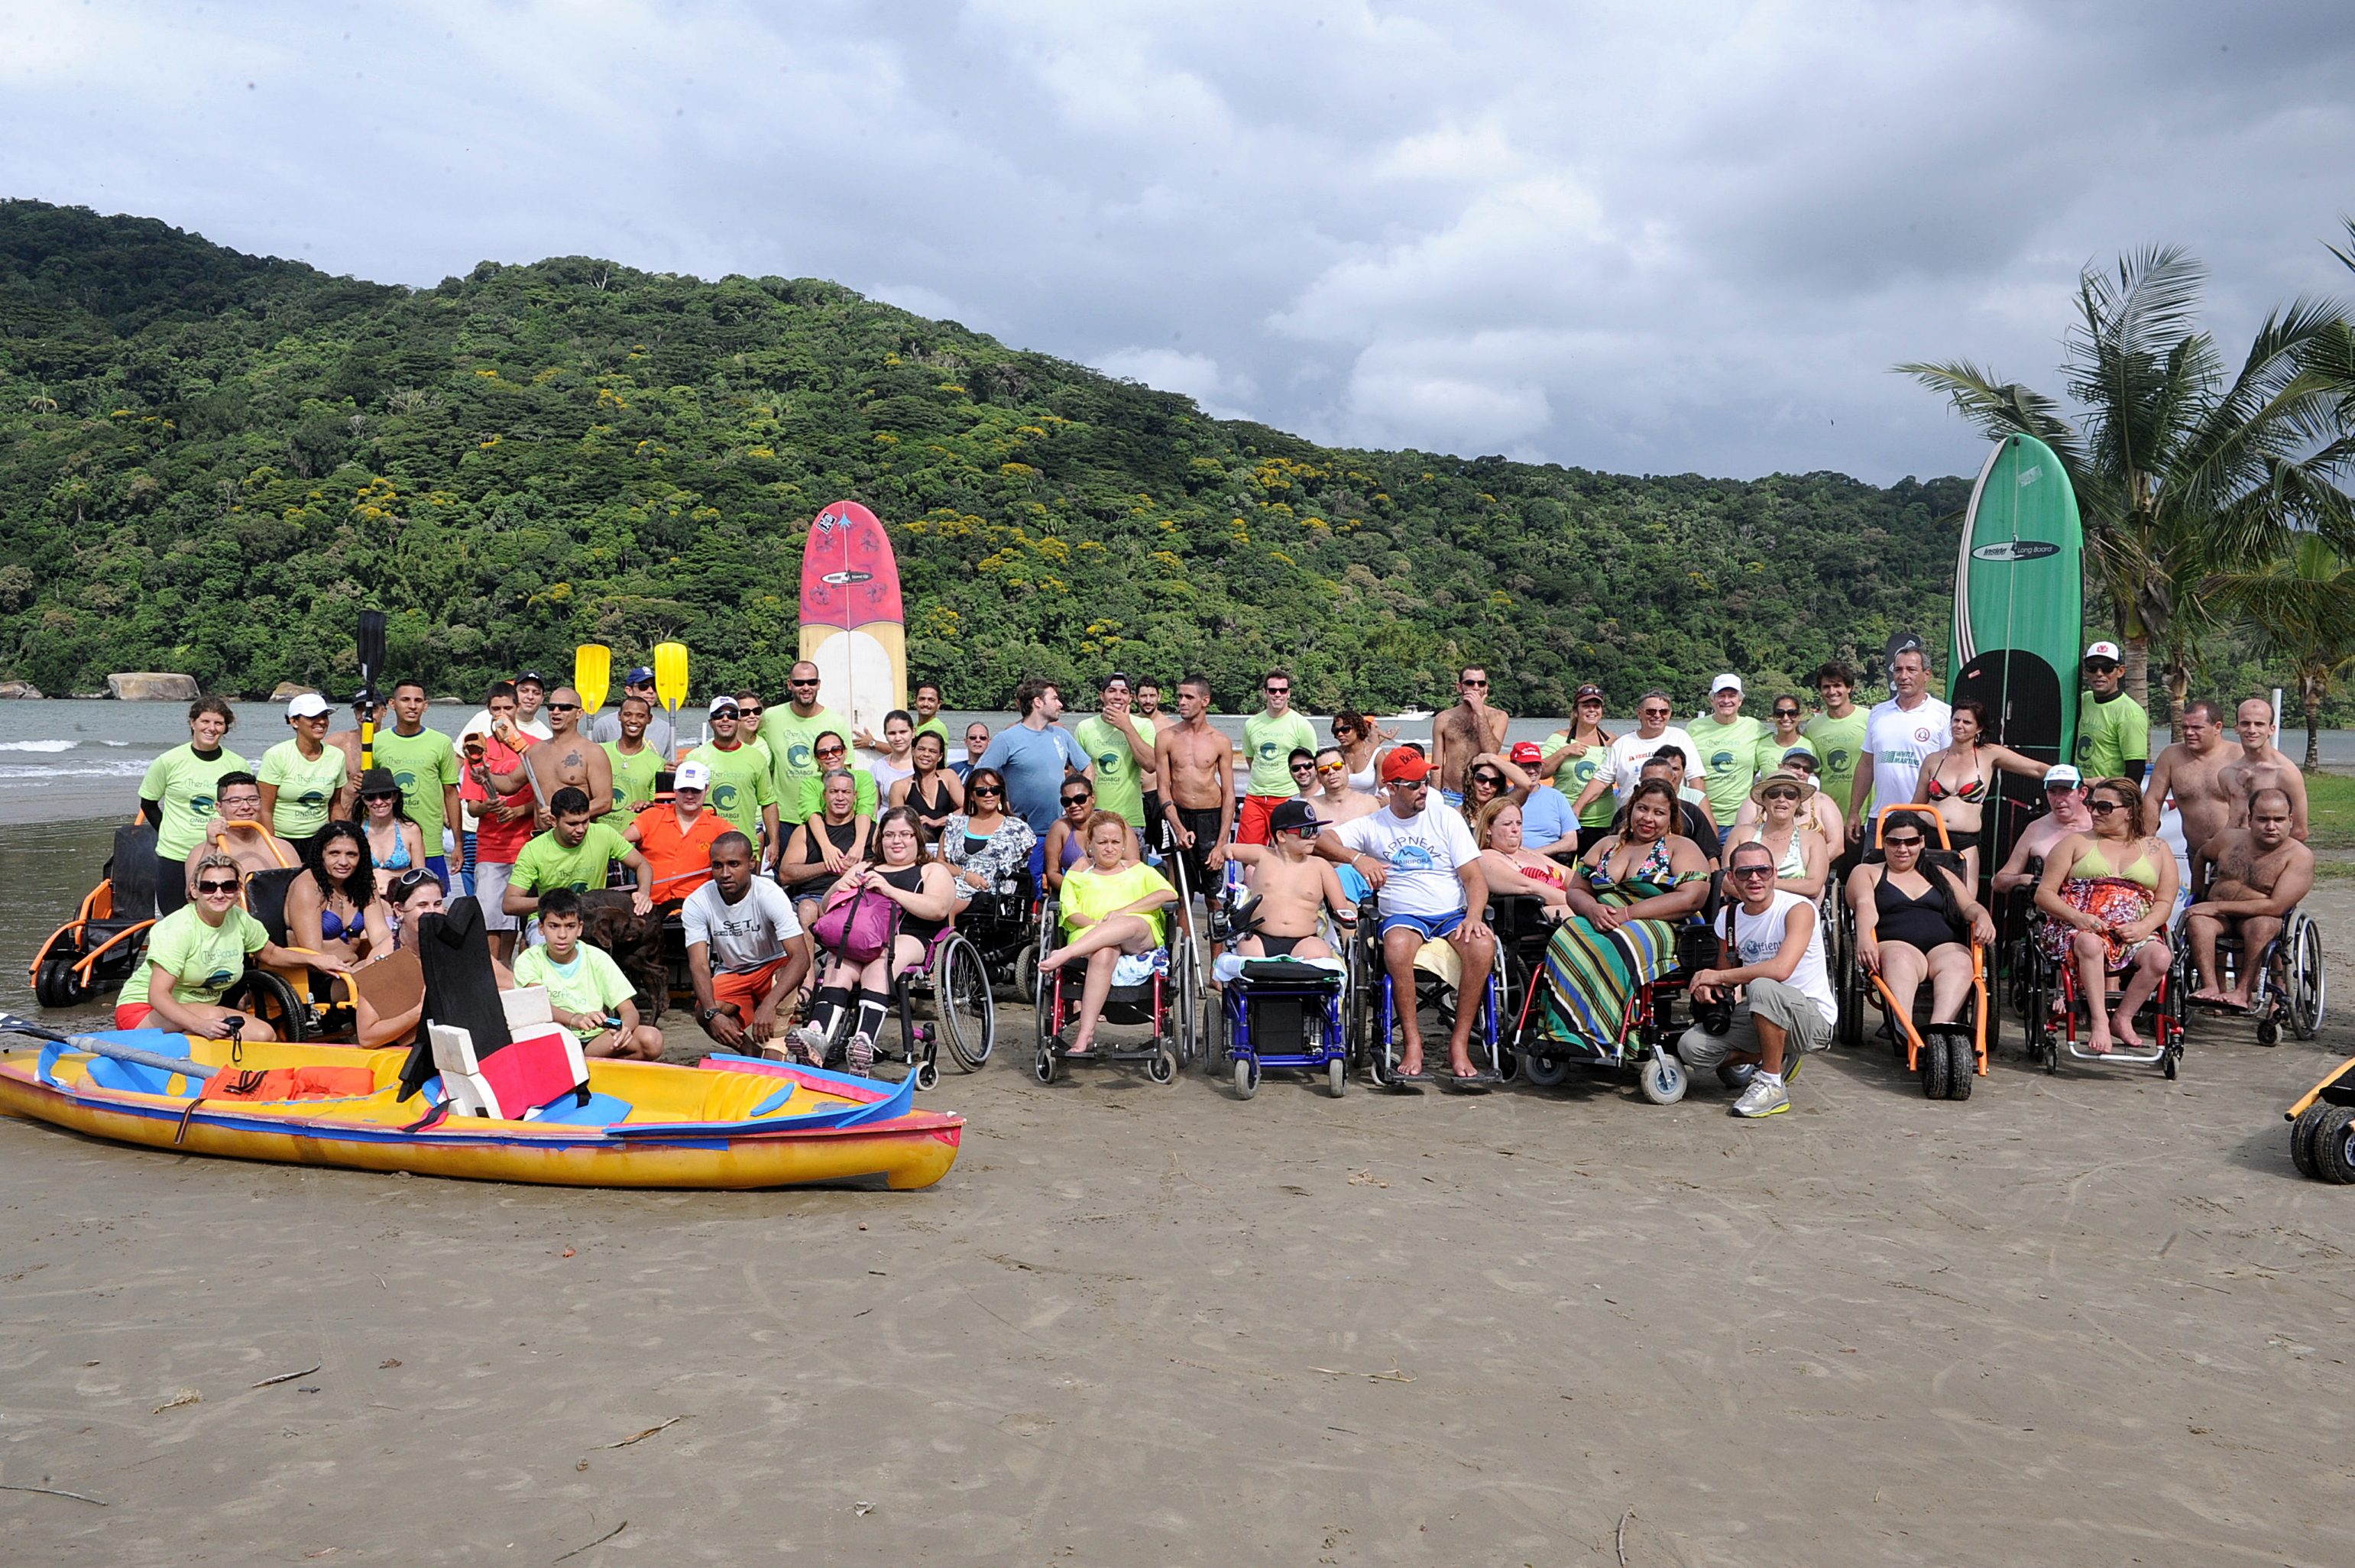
x=910, y=1150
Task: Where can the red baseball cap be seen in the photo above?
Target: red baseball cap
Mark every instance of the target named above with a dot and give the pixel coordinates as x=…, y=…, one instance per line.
x=1403, y=766
x=1526, y=752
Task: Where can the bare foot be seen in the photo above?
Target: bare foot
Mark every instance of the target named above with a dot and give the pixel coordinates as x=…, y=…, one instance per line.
x=1410, y=1060
x=1054, y=960
x=2099, y=1044
x=2210, y=993
x=1080, y=1046
x=2236, y=1000
x=2122, y=1029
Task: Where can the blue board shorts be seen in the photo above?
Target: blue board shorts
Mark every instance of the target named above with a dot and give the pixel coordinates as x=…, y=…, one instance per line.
x=1431, y=926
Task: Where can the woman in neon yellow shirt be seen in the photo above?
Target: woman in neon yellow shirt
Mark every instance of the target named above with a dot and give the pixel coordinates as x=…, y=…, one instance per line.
x=1111, y=906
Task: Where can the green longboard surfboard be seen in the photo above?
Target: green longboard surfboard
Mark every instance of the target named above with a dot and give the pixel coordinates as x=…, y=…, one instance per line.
x=2020, y=612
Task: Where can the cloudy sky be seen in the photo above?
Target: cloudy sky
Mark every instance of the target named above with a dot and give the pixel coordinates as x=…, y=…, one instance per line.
x=1648, y=238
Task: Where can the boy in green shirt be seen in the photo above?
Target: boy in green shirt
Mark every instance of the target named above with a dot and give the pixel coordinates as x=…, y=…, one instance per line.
x=586, y=990
x=635, y=763
x=573, y=855
x=1836, y=732
x=425, y=765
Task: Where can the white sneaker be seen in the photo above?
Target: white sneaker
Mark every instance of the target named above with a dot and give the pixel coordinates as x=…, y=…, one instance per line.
x=808, y=1045
x=862, y=1056
x=1765, y=1097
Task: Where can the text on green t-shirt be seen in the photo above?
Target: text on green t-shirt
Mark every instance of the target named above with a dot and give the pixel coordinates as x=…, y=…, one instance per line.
x=1120, y=787
x=1269, y=740
x=185, y=785
x=1730, y=752
x=1838, y=742
x=202, y=960
x=423, y=765
x=634, y=776
x=306, y=787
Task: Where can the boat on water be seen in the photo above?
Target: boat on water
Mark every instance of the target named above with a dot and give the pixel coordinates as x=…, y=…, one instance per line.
x=731, y=1122
x=1409, y=715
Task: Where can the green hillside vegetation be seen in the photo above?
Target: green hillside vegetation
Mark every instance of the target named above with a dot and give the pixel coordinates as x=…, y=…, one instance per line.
x=210, y=462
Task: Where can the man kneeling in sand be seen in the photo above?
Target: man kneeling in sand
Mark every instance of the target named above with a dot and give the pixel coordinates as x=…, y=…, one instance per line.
x=1288, y=886
x=2255, y=875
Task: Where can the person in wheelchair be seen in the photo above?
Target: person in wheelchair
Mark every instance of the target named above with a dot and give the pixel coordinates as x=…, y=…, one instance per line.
x=333, y=910
x=1773, y=948
x=2108, y=894
x=1112, y=907
x=2253, y=878
x=1631, y=892
x=195, y=955
x=1510, y=867
x=1288, y=887
x=987, y=846
x=1916, y=921
x=895, y=868
x=2065, y=797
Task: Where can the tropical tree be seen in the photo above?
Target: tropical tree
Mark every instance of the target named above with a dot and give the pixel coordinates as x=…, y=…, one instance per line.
x=2183, y=469
x=2300, y=608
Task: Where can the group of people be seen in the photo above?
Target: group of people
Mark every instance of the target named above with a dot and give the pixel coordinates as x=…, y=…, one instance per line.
x=1623, y=837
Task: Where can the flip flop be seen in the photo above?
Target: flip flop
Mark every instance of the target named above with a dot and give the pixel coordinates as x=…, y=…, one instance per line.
x=1406, y=1082
x=1469, y=1083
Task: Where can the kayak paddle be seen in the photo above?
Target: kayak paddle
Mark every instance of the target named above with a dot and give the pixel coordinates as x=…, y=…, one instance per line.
x=11, y=1024
x=371, y=665
x=592, y=672
x=670, y=680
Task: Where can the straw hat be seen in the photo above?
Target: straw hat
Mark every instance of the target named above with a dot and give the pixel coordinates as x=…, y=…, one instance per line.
x=1800, y=782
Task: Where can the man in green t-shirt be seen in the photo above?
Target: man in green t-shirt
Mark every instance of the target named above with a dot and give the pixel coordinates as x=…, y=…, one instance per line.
x=574, y=854
x=1838, y=732
x=2113, y=729
x=1121, y=747
x=1728, y=742
x=425, y=765
x=302, y=778
x=1270, y=736
x=791, y=734
x=635, y=763
x=742, y=787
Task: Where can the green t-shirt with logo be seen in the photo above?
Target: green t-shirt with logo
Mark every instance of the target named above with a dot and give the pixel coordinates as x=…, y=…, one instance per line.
x=423, y=765
x=1730, y=752
x=185, y=785
x=306, y=787
x=203, y=960
x=1269, y=740
x=741, y=785
x=792, y=742
x=1838, y=744
x=592, y=983
x=1771, y=751
x=544, y=864
x=2109, y=733
x=932, y=726
x=1572, y=774
x=634, y=776
x=1120, y=786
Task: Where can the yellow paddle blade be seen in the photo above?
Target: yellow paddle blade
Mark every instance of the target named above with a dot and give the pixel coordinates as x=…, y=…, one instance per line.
x=670, y=674
x=592, y=672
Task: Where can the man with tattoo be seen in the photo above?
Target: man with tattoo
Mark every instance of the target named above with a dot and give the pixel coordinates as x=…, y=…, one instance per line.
x=570, y=758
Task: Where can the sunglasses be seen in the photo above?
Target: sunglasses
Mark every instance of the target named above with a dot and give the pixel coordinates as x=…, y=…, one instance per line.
x=810, y=681
x=980, y=790
x=1071, y=800
x=1901, y=843
x=563, y=707
x=1748, y=871
x=1489, y=778
x=752, y=711
x=1786, y=713
x=1411, y=784
x=2099, y=666
x=1279, y=690
x=211, y=886
x=1655, y=713
x=380, y=794
x=1304, y=767
x=2104, y=807
x=1782, y=794
x=1475, y=683
x=1332, y=767
x=829, y=751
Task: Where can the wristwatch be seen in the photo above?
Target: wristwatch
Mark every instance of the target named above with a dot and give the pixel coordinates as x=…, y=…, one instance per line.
x=704, y=1015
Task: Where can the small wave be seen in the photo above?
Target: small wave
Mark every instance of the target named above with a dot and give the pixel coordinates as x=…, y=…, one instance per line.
x=39, y=745
x=126, y=768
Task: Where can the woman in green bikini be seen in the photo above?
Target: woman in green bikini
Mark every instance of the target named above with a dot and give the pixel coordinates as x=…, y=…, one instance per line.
x=2109, y=893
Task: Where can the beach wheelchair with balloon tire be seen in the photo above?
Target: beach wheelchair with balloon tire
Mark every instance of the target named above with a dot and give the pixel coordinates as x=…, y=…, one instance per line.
x=102, y=946
x=1373, y=1006
x=2322, y=1127
x=1949, y=1058
x=1649, y=1029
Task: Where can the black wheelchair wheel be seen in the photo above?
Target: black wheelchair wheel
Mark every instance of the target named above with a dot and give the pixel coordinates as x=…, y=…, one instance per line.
x=2301, y=1139
x=1543, y=1071
x=2334, y=1145
x=961, y=994
x=1935, y=1066
x=268, y=996
x=58, y=986
x=1962, y=1066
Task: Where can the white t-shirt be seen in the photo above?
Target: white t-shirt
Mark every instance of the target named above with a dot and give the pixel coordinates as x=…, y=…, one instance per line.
x=1899, y=738
x=1423, y=854
x=744, y=935
x=1629, y=753
x=1756, y=940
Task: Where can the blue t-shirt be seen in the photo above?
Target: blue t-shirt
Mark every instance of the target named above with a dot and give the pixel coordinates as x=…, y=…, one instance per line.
x=1546, y=817
x=1033, y=762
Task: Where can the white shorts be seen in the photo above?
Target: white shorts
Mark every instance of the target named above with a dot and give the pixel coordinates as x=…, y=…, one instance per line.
x=491, y=879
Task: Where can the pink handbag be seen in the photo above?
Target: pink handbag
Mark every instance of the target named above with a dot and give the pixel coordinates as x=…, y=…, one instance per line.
x=858, y=929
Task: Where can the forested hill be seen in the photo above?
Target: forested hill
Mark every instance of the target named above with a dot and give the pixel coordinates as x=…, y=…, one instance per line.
x=209, y=462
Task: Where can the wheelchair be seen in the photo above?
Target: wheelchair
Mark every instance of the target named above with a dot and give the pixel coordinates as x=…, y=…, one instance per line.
x=1163, y=1002
x=1002, y=925
x=1949, y=1058
x=1278, y=1012
x=2322, y=1127
x=298, y=1003
x=2289, y=988
x=1648, y=1032
x=943, y=997
x=1372, y=1023
x=106, y=941
x=2056, y=1007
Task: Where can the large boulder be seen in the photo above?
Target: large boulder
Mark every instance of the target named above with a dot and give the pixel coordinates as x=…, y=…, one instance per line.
x=19, y=690
x=288, y=691
x=151, y=685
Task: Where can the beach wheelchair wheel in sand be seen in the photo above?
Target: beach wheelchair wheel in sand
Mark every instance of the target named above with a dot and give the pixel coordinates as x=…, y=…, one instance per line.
x=2322, y=1143
x=58, y=983
x=106, y=941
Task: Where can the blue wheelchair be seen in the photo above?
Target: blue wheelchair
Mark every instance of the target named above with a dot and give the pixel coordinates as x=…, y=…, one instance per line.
x=1278, y=1012
x=1373, y=1007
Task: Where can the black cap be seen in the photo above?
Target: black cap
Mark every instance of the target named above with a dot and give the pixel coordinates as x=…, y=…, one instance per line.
x=1293, y=816
x=530, y=675
x=379, y=780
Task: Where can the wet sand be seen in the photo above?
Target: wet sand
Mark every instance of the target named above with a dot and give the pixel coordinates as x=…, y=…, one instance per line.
x=2091, y=1318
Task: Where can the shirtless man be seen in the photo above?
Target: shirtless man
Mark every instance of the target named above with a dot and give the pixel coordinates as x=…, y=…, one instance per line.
x=2190, y=768
x=1292, y=885
x=238, y=796
x=2255, y=875
x=570, y=758
x=1464, y=731
x=2064, y=792
x=1335, y=800
x=1196, y=766
x=348, y=741
x=2260, y=765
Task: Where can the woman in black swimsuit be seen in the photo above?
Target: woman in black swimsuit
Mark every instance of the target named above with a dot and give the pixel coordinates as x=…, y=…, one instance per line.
x=932, y=792
x=897, y=868
x=1959, y=780
x=1906, y=922
x=811, y=863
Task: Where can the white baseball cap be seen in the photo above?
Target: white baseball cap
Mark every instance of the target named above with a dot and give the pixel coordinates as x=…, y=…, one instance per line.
x=1726, y=682
x=692, y=775
x=2063, y=776
x=309, y=705
x=2105, y=651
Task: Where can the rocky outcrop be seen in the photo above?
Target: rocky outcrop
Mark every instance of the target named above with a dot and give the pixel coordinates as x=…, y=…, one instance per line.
x=287, y=690
x=19, y=690
x=151, y=686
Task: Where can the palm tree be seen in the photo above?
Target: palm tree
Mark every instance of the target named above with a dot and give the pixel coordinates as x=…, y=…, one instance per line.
x=2301, y=608
x=2182, y=470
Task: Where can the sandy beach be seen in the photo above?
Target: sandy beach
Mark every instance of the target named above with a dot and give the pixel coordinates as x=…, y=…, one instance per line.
x=2095, y=1317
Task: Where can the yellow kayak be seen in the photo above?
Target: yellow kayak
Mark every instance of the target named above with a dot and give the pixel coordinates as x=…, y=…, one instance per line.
x=734, y=1121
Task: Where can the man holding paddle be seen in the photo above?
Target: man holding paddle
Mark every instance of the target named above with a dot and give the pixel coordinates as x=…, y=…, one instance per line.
x=660, y=734
x=568, y=758
x=499, y=784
